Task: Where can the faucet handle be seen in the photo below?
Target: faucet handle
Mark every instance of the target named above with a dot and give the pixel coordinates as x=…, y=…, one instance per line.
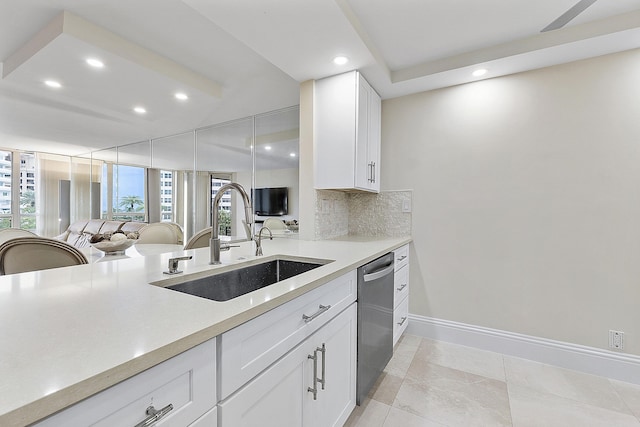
x=173, y=264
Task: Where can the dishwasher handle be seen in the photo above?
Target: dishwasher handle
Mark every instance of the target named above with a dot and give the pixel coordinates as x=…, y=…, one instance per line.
x=378, y=274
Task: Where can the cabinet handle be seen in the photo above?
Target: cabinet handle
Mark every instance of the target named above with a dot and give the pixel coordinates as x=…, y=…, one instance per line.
x=401, y=258
x=373, y=172
x=154, y=415
x=321, y=310
x=404, y=285
x=402, y=320
x=322, y=350
x=313, y=389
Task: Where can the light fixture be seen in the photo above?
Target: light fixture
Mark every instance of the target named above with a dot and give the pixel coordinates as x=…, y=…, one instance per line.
x=479, y=72
x=181, y=96
x=340, y=60
x=267, y=147
x=52, y=83
x=292, y=154
x=140, y=110
x=96, y=63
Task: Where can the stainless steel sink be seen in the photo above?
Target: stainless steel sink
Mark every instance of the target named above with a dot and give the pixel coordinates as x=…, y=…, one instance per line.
x=230, y=284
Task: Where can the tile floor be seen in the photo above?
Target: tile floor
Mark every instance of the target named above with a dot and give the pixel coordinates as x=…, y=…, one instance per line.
x=434, y=384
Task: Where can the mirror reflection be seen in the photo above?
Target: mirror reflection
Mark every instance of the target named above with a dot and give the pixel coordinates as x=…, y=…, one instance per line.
x=171, y=179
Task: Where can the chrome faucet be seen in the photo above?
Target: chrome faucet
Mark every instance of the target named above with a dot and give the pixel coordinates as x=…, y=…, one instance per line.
x=259, y=241
x=214, y=243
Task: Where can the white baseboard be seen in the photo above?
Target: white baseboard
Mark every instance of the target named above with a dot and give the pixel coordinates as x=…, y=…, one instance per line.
x=591, y=360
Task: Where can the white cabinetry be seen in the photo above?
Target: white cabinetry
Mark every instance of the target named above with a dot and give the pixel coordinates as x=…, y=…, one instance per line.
x=270, y=366
x=401, y=295
x=185, y=383
x=347, y=117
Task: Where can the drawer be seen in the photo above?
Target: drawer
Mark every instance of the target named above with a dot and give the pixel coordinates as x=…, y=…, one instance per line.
x=400, y=319
x=401, y=285
x=401, y=257
x=186, y=381
x=247, y=350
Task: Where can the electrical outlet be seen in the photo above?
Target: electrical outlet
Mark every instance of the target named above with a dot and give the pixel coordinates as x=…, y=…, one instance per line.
x=616, y=340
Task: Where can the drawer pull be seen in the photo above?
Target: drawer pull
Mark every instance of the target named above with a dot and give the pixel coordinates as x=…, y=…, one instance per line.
x=322, y=350
x=321, y=310
x=154, y=415
x=404, y=285
x=314, y=389
x=401, y=258
x=402, y=320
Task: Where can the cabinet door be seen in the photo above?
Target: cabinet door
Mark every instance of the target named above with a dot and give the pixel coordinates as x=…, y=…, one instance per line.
x=281, y=397
x=275, y=398
x=363, y=166
x=338, y=398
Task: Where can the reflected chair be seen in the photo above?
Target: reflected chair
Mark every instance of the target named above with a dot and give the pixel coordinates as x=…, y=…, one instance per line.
x=160, y=233
x=274, y=224
x=199, y=240
x=23, y=254
x=12, y=233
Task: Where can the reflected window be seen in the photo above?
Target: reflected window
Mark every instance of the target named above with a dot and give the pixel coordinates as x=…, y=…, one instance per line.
x=128, y=196
x=224, y=207
x=5, y=189
x=28, y=191
x=166, y=196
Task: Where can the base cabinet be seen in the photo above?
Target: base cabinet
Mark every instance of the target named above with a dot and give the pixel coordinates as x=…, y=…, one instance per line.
x=291, y=392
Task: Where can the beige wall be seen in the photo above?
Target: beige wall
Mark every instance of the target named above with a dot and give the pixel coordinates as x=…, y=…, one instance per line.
x=526, y=199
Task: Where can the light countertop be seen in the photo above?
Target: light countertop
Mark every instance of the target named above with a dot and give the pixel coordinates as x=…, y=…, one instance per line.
x=71, y=332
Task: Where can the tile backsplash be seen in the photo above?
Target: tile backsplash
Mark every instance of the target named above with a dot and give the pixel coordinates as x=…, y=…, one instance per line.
x=339, y=213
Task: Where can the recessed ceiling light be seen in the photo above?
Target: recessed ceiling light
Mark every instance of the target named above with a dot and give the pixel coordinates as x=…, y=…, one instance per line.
x=181, y=96
x=140, y=110
x=340, y=60
x=267, y=147
x=96, y=63
x=52, y=83
x=292, y=154
x=479, y=72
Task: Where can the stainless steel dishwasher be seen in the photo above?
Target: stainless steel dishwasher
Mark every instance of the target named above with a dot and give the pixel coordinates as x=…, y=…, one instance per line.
x=375, y=322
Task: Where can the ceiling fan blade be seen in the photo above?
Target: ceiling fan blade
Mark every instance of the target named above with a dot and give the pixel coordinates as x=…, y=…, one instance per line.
x=563, y=19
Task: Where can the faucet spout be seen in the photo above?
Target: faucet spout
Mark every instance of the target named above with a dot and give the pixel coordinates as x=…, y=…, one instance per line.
x=259, y=241
x=214, y=243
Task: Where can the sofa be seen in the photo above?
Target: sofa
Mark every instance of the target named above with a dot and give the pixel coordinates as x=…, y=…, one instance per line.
x=80, y=232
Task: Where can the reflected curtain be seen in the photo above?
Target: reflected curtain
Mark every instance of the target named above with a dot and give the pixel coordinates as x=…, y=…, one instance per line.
x=50, y=169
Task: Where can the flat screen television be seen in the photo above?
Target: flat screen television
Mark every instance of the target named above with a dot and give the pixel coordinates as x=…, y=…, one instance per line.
x=270, y=201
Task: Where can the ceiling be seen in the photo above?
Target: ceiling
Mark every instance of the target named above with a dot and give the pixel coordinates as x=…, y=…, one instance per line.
x=243, y=57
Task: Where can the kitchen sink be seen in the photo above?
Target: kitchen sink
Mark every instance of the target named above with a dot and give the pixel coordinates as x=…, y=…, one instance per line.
x=230, y=284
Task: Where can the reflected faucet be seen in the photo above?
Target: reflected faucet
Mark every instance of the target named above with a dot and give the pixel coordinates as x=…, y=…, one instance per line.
x=259, y=241
x=214, y=243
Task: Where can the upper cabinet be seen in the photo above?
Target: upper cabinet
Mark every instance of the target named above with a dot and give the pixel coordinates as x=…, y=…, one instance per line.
x=347, y=116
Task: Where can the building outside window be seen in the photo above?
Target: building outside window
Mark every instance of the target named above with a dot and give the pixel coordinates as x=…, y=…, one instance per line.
x=166, y=201
x=5, y=189
x=224, y=208
x=28, y=191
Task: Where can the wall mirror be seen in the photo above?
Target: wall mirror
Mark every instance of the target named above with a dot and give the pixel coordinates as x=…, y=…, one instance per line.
x=174, y=178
